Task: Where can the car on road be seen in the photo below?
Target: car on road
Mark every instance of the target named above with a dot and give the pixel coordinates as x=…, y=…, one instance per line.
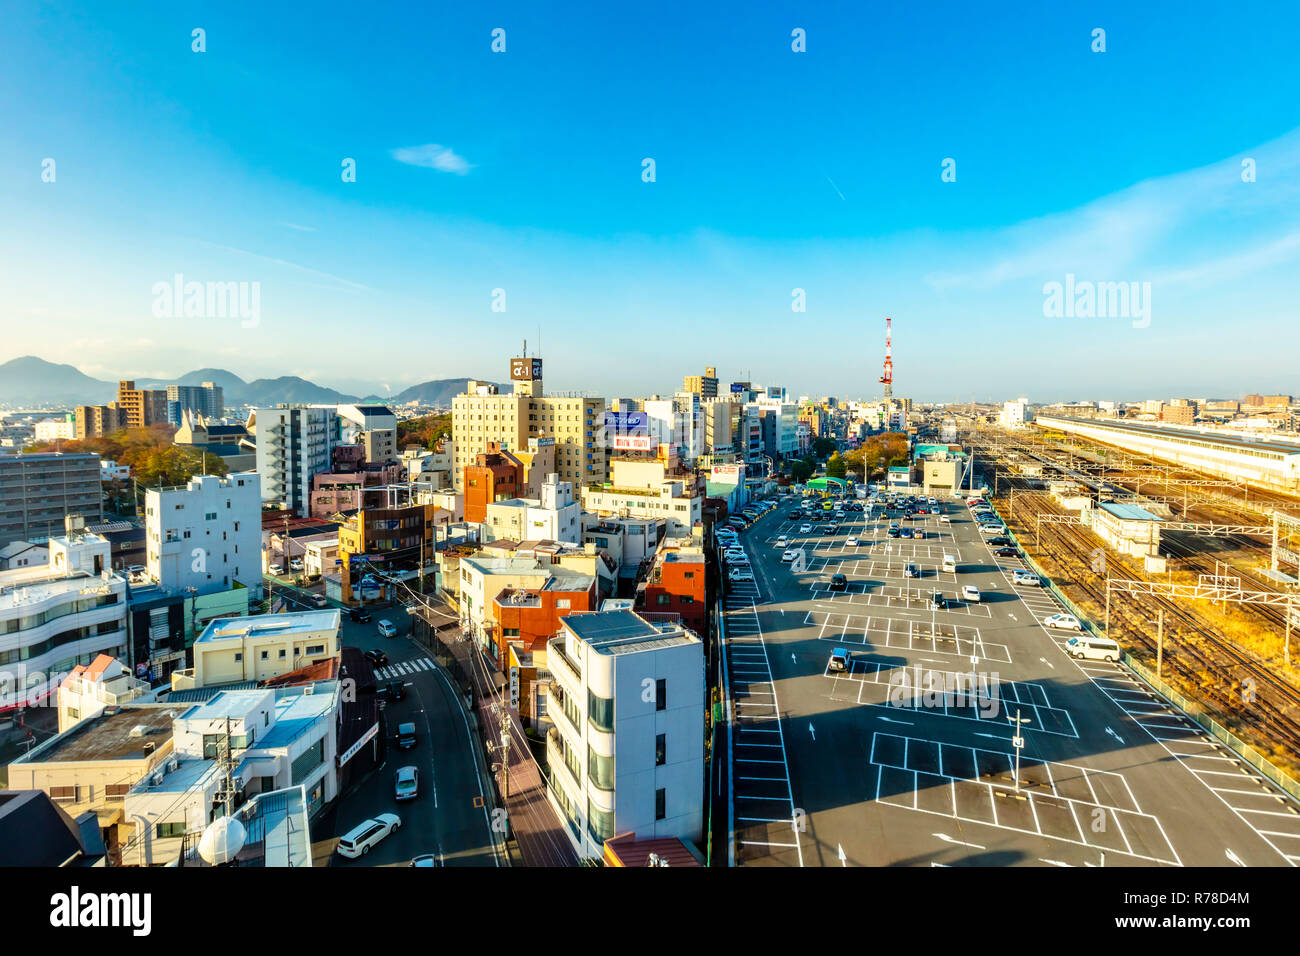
x=1066, y=622
x=1006, y=551
x=839, y=659
x=396, y=689
x=406, y=783
x=1092, y=648
x=783, y=542
x=359, y=615
x=912, y=570
x=358, y=841
x=1027, y=578
x=805, y=529
x=839, y=582
x=790, y=554
x=406, y=738
x=376, y=657
x=852, y=541
x=740, y=574
x=970, y=593
x=426, y=859
x=387, y=629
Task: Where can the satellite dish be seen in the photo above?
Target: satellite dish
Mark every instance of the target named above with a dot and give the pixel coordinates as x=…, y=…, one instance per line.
x=222, y=841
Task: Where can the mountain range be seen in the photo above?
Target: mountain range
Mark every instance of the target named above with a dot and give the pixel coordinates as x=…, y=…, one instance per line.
x=31, y=381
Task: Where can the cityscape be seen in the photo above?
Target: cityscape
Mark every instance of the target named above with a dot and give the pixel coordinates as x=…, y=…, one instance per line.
x=570, y=494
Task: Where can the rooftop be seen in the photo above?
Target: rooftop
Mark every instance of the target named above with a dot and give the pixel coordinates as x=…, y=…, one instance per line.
x=1128, y=512
x=23, y=586
x=108, y=736
x=624, y=632
x=1190, y=434
x=295, y=622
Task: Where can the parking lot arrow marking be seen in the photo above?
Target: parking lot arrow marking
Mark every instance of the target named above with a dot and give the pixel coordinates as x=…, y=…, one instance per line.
x=1053, y=862
x=947, y=839
x=1012, y=616
x=1115, y=735
x=1048, y=663
x=843, y=858
x=811, y=730
x=891, y=720
x=1233, y=857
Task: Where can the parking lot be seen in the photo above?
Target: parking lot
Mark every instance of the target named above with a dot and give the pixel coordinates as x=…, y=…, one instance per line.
x=1100, y=753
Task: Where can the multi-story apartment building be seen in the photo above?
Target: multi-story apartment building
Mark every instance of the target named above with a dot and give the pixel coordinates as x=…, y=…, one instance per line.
x=626, y=748
x=207, y=400
x=55, y=429
x=482, y=415
x=374, y=427
x=294, y=443
x=721, y=420
x=676, y=584
x=207, y=535
x=495, y=475
x=94, y=421
x=38, y=491
x=705, y=386
x=59, y=615
x=555, y=516
x=140, y=408
x=647, y=488
x=391, y=540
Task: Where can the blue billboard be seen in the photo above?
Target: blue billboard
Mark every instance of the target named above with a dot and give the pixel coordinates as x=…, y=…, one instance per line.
x=627, y=423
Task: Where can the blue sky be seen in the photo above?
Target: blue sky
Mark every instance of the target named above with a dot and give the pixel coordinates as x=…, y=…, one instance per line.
x=775, y=170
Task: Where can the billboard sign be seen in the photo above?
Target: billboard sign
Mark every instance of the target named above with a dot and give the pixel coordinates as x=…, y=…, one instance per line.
x=525, y=369
x=633, y=443
x=627, y=423
x=737, y=387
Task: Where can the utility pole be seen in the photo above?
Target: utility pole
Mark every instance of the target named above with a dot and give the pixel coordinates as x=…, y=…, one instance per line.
x=1018, y=742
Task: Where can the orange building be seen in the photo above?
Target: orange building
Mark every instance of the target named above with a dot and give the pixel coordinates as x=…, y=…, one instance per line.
x=529, y=617
x=495, y=476
x=676, y=584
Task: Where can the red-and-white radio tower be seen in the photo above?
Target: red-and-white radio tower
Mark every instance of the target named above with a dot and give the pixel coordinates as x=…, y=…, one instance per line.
x=888, y=378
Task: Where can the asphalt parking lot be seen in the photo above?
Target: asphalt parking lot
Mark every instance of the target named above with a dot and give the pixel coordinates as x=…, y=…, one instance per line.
x=907, y=757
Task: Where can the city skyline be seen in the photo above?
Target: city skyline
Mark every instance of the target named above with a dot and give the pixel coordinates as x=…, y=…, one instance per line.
x=815, y=171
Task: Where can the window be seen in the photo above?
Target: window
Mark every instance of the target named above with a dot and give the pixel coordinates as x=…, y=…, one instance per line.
x=661, y=803
x=309, y=760
x=63, y=793
x=600, y=711
x=266, y=655
x=116, y=789
x=315, y=649
x=661, y=694
x=170, y=830
x=238, y=657
x=661, y=749
x=211, y=744
x=282, y=653
x=600, y=770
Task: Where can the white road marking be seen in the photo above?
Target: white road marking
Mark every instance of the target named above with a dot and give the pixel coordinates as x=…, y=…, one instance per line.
x=947, y=839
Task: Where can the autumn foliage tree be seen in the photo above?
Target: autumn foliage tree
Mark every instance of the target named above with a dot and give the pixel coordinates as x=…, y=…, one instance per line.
x=153, y=458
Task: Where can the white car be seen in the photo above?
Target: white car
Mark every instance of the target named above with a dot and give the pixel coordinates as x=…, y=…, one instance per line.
x=805, y=529
x=736, y=557
x=1065, y=621
x=275, y=569
x=358, y=841
x=782, y=542
x=852, y=542
x=1028, y=579
x=740, y=574
x=295, y=564
x=943, y=519
x=970, y=593
x=790, y=555
x=386, y=629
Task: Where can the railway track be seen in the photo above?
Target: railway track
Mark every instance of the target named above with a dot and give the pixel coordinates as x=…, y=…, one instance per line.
x=1241, y=690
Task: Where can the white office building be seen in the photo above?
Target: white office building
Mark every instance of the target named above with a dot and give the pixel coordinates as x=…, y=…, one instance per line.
x=1016, y=414
x=555, y=516
x=294, y=443
x=626, y=752
x=206, y=535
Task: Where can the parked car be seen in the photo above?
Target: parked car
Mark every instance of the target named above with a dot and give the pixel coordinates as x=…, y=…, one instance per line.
x=295, y=564
x=406, y=784
x=839, y=582
x=376, y=657
x=912, y=570
x=740, y=574
x=970, y=593
x=1066, y=622
x=387, y=629
x=275, y=570
x=1026, y=578
x=852, y=541
x=426, y=859
x=937, y=601
x=1093, y=648
x=358, y=841
x=1007, y=552
x=998, y=540
x=839, y=659
x=805, y=529
x=790, y=555
x=736, y=557
x=782, y=542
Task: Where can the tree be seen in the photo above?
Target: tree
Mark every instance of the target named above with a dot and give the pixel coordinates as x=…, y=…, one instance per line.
x=835, y=468
x=823, y=447
x=801, y=471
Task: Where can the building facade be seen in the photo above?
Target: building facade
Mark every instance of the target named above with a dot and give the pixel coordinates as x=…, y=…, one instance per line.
x=207, y=535
x=38, y=491
x=294, y=443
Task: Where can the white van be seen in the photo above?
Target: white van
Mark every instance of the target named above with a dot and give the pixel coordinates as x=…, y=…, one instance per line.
x=1092, y=648
x=950, y=564
x=358, y=841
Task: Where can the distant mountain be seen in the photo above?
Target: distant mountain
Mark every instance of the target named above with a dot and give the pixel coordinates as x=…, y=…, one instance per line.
x=33, y=381
x=29, y=380
x=437, y=393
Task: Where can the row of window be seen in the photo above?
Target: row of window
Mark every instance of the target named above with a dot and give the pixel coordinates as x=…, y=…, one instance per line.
x=12, y=625
x=28, y=651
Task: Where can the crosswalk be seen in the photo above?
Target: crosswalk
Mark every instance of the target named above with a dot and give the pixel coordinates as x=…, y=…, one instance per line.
x=404, y=668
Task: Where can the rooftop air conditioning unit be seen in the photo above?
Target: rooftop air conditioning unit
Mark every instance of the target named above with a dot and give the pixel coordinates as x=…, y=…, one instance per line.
x=156, y=780
x=139, y=730
x=171, y=765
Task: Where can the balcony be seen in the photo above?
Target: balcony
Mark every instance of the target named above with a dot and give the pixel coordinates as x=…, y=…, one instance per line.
x=560, y=663
x=555, y=757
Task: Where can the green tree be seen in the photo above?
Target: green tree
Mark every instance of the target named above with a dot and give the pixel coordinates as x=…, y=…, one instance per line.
x=801, y=471
x=836, y=468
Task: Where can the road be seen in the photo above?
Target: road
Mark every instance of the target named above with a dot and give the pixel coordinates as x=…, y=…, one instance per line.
x=897, y=762
x=448, y=819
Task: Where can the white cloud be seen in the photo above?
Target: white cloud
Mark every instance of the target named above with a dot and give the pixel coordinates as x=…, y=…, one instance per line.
x=294, y=225
x=432, y=156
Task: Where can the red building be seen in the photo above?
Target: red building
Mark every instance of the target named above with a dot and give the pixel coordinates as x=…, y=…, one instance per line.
x=494, y=476
x=676, y=584
x=529, y=617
